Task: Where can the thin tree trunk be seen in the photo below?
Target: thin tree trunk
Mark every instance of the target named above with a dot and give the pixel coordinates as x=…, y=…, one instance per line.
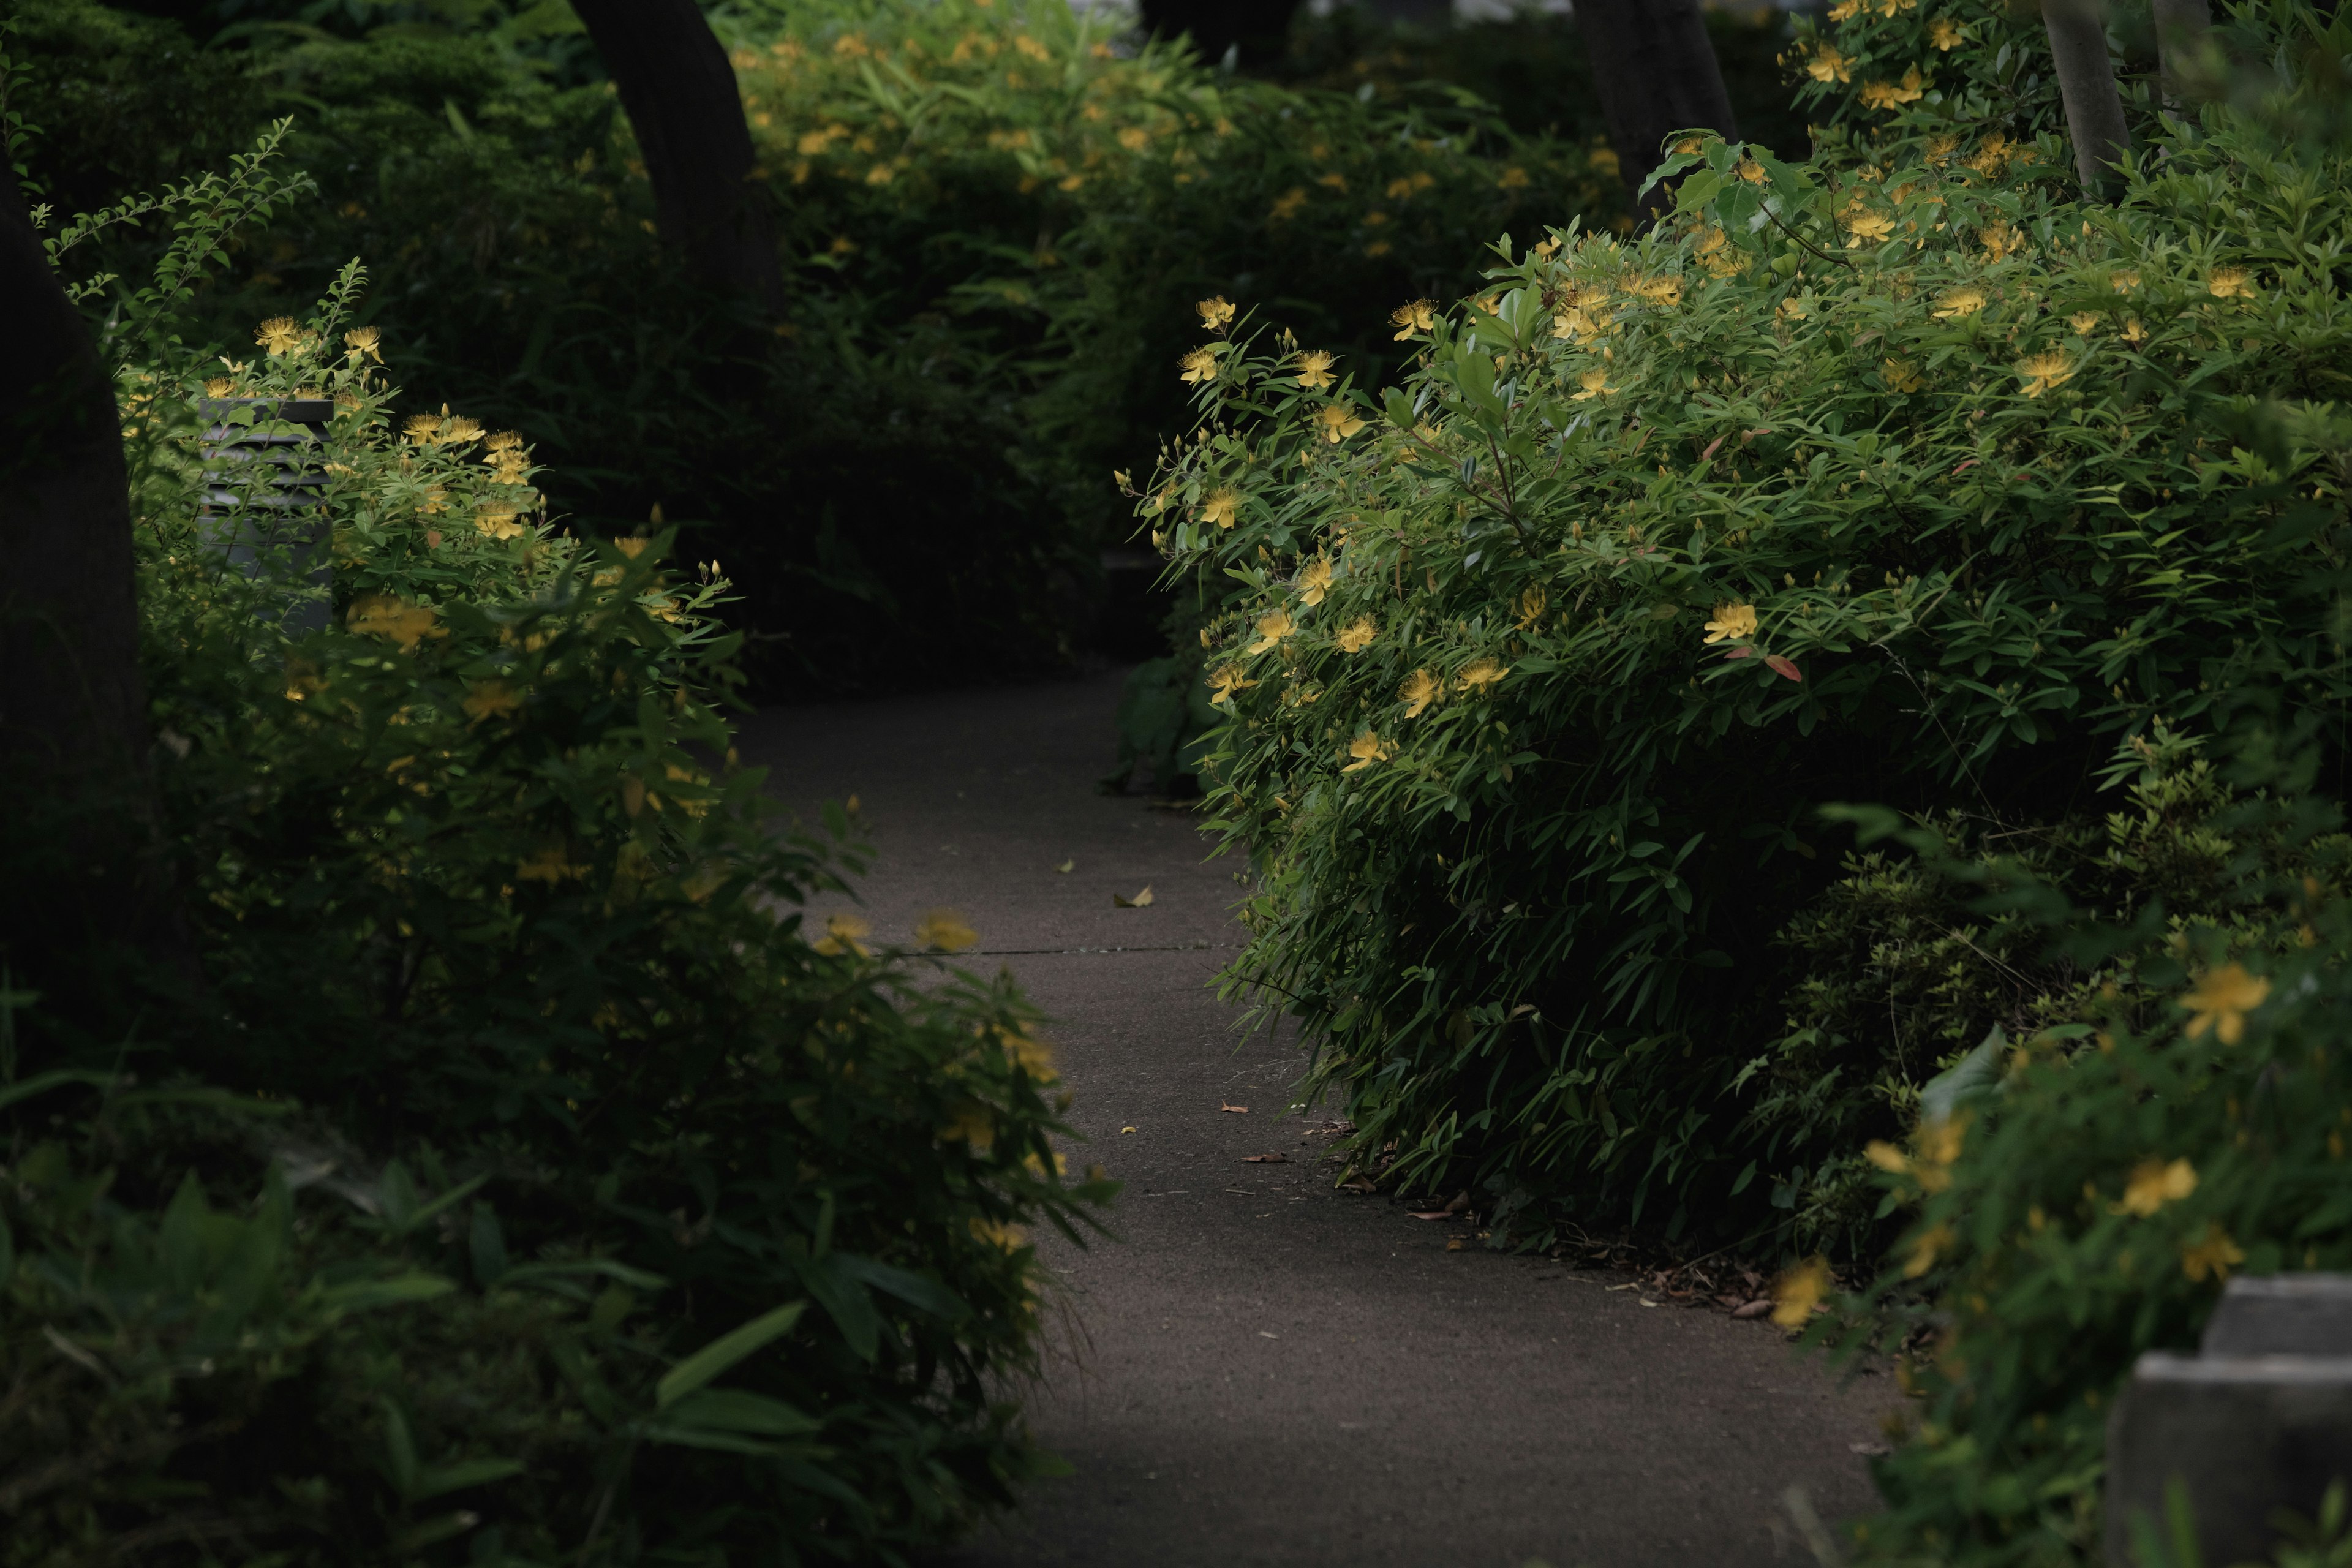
x=2086, y=84
x=682, y=102
x=2180, y=29
x=1655, y=70
x=74, y=742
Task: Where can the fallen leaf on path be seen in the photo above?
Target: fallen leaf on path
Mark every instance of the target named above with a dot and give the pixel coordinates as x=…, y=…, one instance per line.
x=1460, y=1201
x=1266, y=1159
x=1263, y=1335
x=1359, y=1184
x=850, y=806
x=1869, y=1450
x=1454, y=1245
x=1127, y=1129
x=1236, y=1110
x=1067, y=866
x=1755, y=1308
x=1141, y=901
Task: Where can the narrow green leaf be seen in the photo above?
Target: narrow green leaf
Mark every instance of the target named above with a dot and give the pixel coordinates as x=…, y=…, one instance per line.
x=725, y=1352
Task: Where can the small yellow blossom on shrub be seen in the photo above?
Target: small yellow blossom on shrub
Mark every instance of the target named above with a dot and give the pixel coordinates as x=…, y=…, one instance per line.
x=1358, y=637
x=2156, y=1183
x=1844, y=10
x=2133, y=331
x=2230, y=283
x=1419, y=316
x=1287, y=205
x=1927, y=1249
x=2123, y=280
x=970, y=1122
x=1035, y=1058
x=1272, y=628
x=400, y=622
x=1829, y=65
x=1315, y=370
x=1221, y=506
x=1965, y=301
x=550, y=864
x=1215, y=313
x=1866, y=228
x=1662, y=289
x=2044, y=371
x=1420, y=690
x=420, y=427
x=1731, y=621
x=1224, y=681
x=2224, y=997
x=1595, y=383
x=498, y=524
x=505, y=441
x=1887, y=95
x=1901, y=375
x=946, y=929
x=1314, y=581
x=1797, y=1292
x=1339, y=422
x=279, y=336
x=1946, y=34
x=2085, y=322
x=459, y=428
x=1749, y=170
x=1011, y=1238
x=1790, y=309
x=491, y=700
x=1367, y=749
x=840, y=935
x=1530, y=607
x=368, y=340
x=2212, y=1254
x=2000, y=240
x=1482, y=672
x=1199, y=365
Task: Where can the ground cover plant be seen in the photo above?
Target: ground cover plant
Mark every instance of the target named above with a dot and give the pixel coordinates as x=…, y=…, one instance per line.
x=994, y=220
x=1931, y=485
x=490, y=1168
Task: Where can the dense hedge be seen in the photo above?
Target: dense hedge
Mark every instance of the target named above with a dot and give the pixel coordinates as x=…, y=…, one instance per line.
x=494, y=1169
x=1928, y=485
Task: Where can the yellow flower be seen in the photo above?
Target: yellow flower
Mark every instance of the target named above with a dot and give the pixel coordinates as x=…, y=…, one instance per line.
x=2085, y=322
x=1214, y=313
x=2215, y=1254
x=1731, y=621
x=1531, y=607
x=2227, y=283
x=1224, y=683
x=380, y=614
x=1199, y=365
x=1011, y=1238
x=1315, y=369
x=2133, y=331
x=1595, y=383
x=1035, y=1058
x=2000, y=240
x=1135, y=138
x=1482, y=672
x=1420, y=690
x=945, y=930
x=840, y=935
x=219, y=386
x=506, y=441
x=498, y=524
x=1367, y=749
x=1749, y=170
x=2123, y=280
x=1844, y=10
x=970, y=1122
x=1965, y=301
x=420, y=427
x=1866, y=228
x=550, y=864
x=1901, y=375
x=2044, y=371
x=1886, y=1156
x=1797, y=1292
x=1286, y=204
x=1662, y=290
x=368, y=340
x=1829, y=65
x=1272, y=628
x=491, y=700
x=1221, y=506
x=459, y=428
x=1314, y=581
x=1420, y=316
x=1358, y=637
x=1339, y=422
x=279, y=336
x=1946, y=34
x=2225, y=995
x=1925, y=1250
x=2154, y=1183
x=1790, y=309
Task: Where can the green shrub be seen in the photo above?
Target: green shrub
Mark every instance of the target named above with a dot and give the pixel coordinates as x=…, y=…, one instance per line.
x=1904, y=477
x=603, y=1214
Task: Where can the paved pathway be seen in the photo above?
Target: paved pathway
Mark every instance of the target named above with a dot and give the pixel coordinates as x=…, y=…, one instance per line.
x=1264, y=1371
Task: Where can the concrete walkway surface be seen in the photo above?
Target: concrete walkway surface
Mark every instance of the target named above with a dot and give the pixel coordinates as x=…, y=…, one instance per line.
x=1264, y=1371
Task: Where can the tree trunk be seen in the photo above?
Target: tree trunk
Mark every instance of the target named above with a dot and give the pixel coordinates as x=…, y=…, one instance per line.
x=681, y=95
x=2086, y=84
x=1655, y=70
x=74, y=745
x=1257, y=31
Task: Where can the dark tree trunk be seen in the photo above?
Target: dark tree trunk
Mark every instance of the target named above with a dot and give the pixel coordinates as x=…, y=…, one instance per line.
x=682, y=102
x=1258, y=30
x=2087, y=86
x=80, y=844
x=1655, y=70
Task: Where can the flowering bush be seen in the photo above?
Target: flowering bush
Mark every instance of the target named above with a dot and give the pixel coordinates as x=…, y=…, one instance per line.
x=1900, y=477
x=603, y=1213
